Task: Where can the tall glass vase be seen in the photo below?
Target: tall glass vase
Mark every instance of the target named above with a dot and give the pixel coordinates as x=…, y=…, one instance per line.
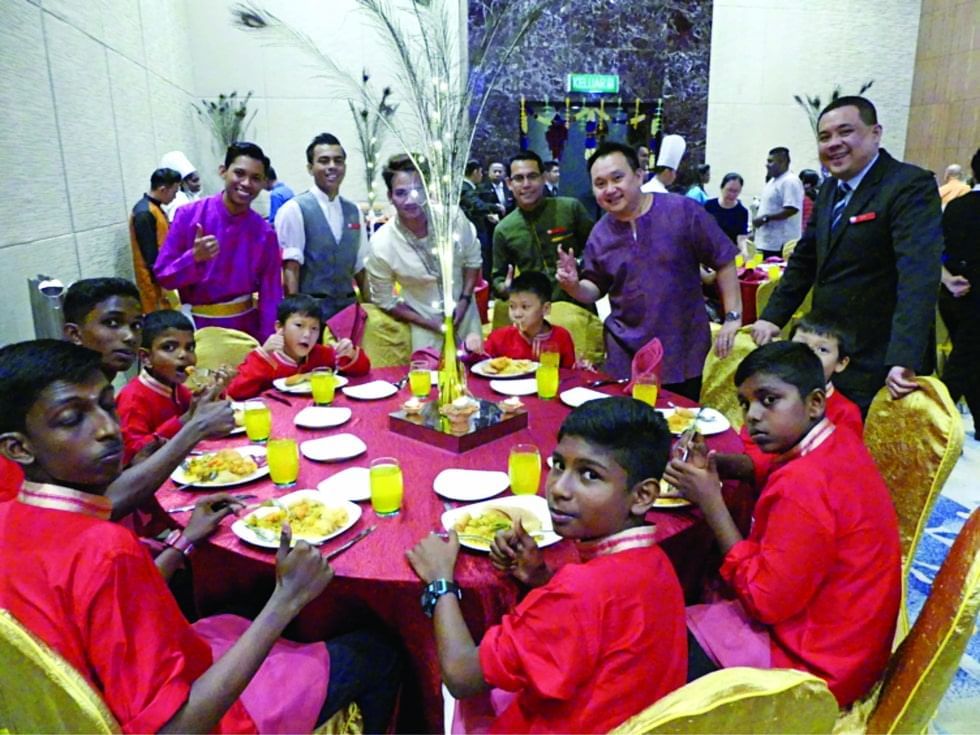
x=452, y=375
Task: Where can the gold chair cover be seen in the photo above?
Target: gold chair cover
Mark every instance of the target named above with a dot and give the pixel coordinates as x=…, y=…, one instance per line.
x=41, y=692
x=585, y=327
x=501, y=316
x=741, y=700
x=915, y=442
x=347, y=721
x=387, y=341
x=788, y=247
x=217, y=346
x=717, y=381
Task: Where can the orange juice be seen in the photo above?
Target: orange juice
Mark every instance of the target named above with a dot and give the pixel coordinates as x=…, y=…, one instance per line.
x=547, y=378
x=646, y=392
x=524, y=469
x=387, y=486
x=258, y=421
x=283, y=458
x=550, y=359
x=420, y=382
x=323, y=385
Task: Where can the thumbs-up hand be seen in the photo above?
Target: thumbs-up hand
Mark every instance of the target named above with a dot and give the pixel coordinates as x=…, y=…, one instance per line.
x=517, y=552
x=205, y=246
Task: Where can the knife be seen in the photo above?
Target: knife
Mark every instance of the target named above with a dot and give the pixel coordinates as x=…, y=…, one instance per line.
x=341, y=549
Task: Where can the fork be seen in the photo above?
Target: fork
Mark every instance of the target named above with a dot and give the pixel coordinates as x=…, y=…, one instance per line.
x=607, y=381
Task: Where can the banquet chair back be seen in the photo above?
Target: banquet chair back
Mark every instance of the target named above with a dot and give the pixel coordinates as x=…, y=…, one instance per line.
x=387, y=341
x=217, y=346
x=585, y=328
x=741, y=700
x=41, y=692
x=788, y=247
x=718, y=378
x=501, y=316
x=920, y=671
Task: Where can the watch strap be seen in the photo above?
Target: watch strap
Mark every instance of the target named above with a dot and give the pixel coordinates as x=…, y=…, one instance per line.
x=436, y=589
x=177, y=540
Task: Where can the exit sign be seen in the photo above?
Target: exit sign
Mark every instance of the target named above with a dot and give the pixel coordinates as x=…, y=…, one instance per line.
x=593, y=83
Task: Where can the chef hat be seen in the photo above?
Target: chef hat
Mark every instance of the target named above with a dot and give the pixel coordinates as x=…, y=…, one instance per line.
x=672, y=149
x=178, y=162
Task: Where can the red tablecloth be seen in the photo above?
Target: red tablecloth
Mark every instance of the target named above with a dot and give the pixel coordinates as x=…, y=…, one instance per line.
x=373, y=579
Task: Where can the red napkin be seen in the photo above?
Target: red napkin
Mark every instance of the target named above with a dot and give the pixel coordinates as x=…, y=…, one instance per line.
x=646, y=361
x=348, y=322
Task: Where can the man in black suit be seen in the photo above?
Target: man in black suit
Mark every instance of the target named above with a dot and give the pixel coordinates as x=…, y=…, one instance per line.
x=495, y=190
x=481, y=213
x=871, y=252
x=959, y=299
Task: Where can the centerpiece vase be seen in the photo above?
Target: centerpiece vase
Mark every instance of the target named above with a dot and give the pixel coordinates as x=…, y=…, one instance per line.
x=452, y=376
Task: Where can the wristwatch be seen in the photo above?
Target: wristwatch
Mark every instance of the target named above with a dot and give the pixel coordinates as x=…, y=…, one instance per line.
x=436, y=589
x=733, y=316
x=177, y=540
x=765, y=219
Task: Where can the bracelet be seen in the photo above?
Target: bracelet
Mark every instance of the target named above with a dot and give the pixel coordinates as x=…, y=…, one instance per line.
x=178, y=541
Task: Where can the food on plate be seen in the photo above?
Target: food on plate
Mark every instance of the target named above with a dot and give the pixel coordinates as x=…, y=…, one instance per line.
x=484, y=526
x=308, y=519
x=668, y=491
x=297, y=379
x=239, y=415
x=225, y=465
x=681, y=420
x=507, y=366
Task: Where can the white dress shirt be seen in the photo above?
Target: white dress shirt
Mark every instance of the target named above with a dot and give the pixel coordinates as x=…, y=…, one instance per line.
x=292, y=234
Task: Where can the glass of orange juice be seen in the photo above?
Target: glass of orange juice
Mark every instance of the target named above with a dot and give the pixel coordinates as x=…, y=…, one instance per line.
x=524, y=469
x=646, y=388
x=547, y=380
x=258, y=421
x=387, y=486
x=283, y=458
x=420, y=379
x=323, y=385
x=549, y=358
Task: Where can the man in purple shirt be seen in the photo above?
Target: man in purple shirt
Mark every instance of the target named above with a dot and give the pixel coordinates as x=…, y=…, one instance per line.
x=219, y=252
x=645, y=254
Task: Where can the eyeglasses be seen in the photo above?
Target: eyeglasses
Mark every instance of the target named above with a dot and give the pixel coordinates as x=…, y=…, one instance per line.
x=521, y=178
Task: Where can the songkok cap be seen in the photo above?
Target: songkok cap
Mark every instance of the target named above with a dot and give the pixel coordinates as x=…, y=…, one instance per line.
x=178, y=162
x=672, y=149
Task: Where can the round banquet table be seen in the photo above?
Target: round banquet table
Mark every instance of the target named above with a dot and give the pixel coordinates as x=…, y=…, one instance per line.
x=373, y=581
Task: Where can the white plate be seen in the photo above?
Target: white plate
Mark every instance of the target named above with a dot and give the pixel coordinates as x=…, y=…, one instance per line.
x=250, y=536
x=525, y=387
x=182, y=478
x=534, y=503
x=304, y=388
x=480, y=368
x=575, y=397
x=237, y=406
x=470, y=485
x=333, y=448
x=354, y=484
x=371, y=391
x=711, y=421
x=322, y=417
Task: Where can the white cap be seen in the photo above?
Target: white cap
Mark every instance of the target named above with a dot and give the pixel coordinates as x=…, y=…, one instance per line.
x=178, y=162
x=672, y=149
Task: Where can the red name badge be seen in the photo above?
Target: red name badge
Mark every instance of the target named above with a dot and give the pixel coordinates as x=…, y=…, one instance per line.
x=859, y=218
x=557, y=231
x=354, y=226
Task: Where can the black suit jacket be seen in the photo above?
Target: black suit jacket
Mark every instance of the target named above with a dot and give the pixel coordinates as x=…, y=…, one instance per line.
x=488, y=194
x=877, y=273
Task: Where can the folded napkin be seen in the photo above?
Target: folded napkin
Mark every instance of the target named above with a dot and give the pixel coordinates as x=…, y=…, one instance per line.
x=646, y=361
x=348, y=322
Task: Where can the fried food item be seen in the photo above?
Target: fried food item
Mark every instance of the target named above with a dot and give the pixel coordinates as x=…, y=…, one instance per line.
x=308, y=519
x=297, y=379
x=226, y=465
x=484, y=526
x=681, y=420
x=507, y=366
x=239, y=414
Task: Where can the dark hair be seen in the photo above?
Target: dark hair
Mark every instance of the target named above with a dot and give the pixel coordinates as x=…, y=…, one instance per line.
x=809, y=176
x=157, y=322
x=732, y=177
x=781, y=151
x=866, y=110
x=471, y=166
x=637, y=435
x=270, y=173
x=249, y=150
x=975, y=164
x=299, y=303
x=164, y=177
x=524, y=156
x=27, y=368
x=533, y=282
x=84, y=295
x=322, y=139
x=401, y=163
x=608, y=148
x=549, y=165
x=791, y=362
x=825, y=326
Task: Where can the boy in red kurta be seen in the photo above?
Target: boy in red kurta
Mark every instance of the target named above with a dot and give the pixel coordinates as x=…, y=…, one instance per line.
x=593, y=643
x=530, y=334
x=818, y=581
x=295, y=348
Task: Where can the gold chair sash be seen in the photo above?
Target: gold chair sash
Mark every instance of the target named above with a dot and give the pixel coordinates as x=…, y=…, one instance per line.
x=585, y=328
x=387, y=341
x=717, y=382
x=217, y=346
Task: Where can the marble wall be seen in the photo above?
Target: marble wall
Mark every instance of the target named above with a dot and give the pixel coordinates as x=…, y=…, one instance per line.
x=659, y=48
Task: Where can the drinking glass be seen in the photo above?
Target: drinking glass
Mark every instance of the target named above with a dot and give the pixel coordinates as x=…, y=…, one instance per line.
x=524, y=469
x=420, y=379
x=258, y=421
x=547, y=379
x=323, y=384
x=283, y=458
x=645, y=388
x=387, y=486
x=550, y=358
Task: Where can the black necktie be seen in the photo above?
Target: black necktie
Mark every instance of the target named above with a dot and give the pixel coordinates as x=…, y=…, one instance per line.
x=843, y=189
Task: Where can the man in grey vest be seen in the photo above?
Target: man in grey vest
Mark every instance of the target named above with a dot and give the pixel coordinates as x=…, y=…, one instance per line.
x=323, y=240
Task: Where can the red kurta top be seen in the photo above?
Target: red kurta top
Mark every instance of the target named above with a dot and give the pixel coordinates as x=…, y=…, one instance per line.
x=149, y=408
x=842, y=412
x=260, y=368
x=88, y=589
x=822, y=564
x=598, y=643
x=11, y=478
x=509, y=342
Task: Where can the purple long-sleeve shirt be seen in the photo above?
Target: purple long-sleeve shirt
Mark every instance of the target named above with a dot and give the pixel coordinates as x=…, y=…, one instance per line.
x=248, y=260
x=654, y=283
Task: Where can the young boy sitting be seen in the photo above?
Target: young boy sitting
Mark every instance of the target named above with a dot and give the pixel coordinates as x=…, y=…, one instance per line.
x=823, y=545
x=593, y=643
x=156, y=404
x=295, y=348
x=530, y=334
x=87, y=588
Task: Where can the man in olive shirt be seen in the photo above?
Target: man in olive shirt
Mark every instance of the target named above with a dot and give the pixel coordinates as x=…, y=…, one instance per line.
x=529, y=237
